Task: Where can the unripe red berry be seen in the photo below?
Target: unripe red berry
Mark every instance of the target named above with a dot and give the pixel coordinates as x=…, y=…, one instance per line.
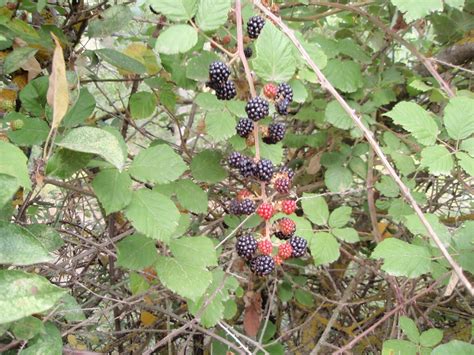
x=288, y=206
x=265, y=210
x=270, y=90
x=278, y=260
x=265, y=247
x=285, y=251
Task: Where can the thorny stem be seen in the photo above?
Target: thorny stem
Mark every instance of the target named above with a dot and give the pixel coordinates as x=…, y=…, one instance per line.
x=371, y=140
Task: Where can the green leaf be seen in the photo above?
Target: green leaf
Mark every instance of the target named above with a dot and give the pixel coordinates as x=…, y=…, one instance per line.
x=113, y=189
x=457, y=4
x=66, y=162
x=46, y=235
x=315, y=208
x=34, y=130
x=8, y=186
x=399, y=347
x=220, y=125
x=198, y=67
x=348, y=235
x=49, y=343
x=415, y=226
x=157, y=164
x=338, y=178
x=431, y=337
x=95, y=141
x=459, y=117
x=454, y=347
x=183, y=277
x=324, y=248
x=16, y=58
x=466, y=162
x=70, y=309
x=410, y=329
x=206, y=166
x=176, y=39
x=23, y=294
x=300, y=93
x=273, y=152
x=191, y=196
x=138, y=283
x=176, y=10
x=33, y=96
x=387, y=186
x=121, y=61
x=212, y=14
x=402, y=258
x=208, y=101
x=26, y=328
x=136, y=252
x=274, y=59
x=468, y=146
x=13, y=163
x=142, y=104
x=345, y=75
x=340, y=216
x=464, y=240
x=189, y=247
x=304, y=297
x=335, y=115
x=437, y=159
x=416, y=120
x=153, y=214
x=113, y=19
x=19, y=247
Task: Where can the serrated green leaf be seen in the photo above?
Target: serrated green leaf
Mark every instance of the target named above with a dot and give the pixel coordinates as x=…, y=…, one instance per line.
x=81, y=110
x=95, y=141
x=340, y=216
x=464, y=240
x=348, y=235
x=33, y=96
x=46, y=235
x=338, y=178
x=136, y=252
x=416, y=120
x=113, y=189
x=437, y=159
x=23, y=294
x=345, y=75
x=189, y=248
x=468, y=146
x=66, y=162
x=431, y=337
x=304, y=297
x=176, y=39
x=274, y=58
x=410, y=329
x=454, y=347
x=198, y=67
x=335, y=115
x=71, y=310
x=16, y=58
x=220, y=125
x=415, y=226
x=153, y=214
x=142, y=104
x=121, y=61
x=315, y=208
x=402, y=258
x=387, y=186
x=466, y=162
x=157, y=164
x=208, y=101
x=175, y=10
x=19, y=247
x=457, y=4
x=414, y=9
x=113, y=19
x=13, y=163
x=212, y=14
x=206, y=166
x=191, y=196
x=34, y=130
x=324, y=248
x=399, y=347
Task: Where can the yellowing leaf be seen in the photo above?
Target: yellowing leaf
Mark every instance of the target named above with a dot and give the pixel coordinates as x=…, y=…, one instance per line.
x=147, y=318
x=58, y=95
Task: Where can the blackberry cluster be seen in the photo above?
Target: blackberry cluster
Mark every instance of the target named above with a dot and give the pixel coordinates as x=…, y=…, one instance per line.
x=254, y=26
x=218, y=80
x=246, y=246
x=276, y=132
x=264, y=170
x=244, y=207
x=247, y=167
x=244, y=127
x=282, y=185
x=262, y=265
x=257, y=108
x=299, y=246
x=248, y=52
x=235, y=160
x=284, y=97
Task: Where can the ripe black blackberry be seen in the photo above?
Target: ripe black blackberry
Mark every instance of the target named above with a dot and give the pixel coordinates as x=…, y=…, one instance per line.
x=235, y=160
x=285, y=91
x=254, y=26
x=248, y=52
x=246, y=246
x=284, y=170
x=235, y=208
x=247, y=207
x=257, y=108
x=247, y=167
x=262, y=265
x=276, y=132
x=244, y=127
x=282, y=185
x=264, y=170
x=226, y=92
x=282, y=106
x=299, y=246
x=218, y=74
